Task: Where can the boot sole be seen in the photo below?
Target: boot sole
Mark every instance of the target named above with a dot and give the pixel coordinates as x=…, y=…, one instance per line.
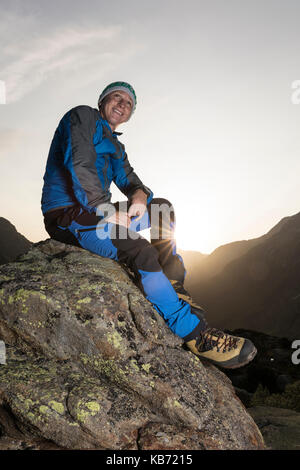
x=245, y=362
x=233, y=364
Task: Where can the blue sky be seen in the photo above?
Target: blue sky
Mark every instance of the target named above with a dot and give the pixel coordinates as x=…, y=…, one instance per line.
x=215, y=130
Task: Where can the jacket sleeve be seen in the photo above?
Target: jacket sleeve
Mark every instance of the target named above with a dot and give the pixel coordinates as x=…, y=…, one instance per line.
x=80, y=157
x=124, y=176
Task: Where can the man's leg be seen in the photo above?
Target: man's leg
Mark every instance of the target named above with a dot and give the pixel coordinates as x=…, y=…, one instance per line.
x=78, y=227
x=160, y=216
x=210, y=343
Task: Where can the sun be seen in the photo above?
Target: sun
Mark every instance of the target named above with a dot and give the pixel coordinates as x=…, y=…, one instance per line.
x=194, y=232
x=189, y=238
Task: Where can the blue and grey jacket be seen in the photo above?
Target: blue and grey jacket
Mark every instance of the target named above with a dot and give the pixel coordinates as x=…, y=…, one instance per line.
x=84, y=158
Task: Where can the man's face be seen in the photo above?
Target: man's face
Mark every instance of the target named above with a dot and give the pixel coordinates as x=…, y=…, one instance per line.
x=117, y=108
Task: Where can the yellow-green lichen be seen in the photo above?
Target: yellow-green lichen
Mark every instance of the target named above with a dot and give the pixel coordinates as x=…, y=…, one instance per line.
x=28, y=404
x=106, y=367
x=134, y=365
x=172, y=402
x=85, y=410
x=86, y=300
x=90, y=287
x=177, y=404
x=21, y=296
x=115, y=339
x=84, y=359
x=82, y=415
x=146, y=367
x=5, y=278
x=93, y=406
x=57, y=406
x=44, y=409
x=1, y=297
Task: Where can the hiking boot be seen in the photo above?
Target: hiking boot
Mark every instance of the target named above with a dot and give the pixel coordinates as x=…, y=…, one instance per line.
x=222, y=349
x=184, y=295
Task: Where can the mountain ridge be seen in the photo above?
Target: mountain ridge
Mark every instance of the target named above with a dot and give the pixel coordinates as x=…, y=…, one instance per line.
x=12, y=243
x=213, y=263
x=259, y=289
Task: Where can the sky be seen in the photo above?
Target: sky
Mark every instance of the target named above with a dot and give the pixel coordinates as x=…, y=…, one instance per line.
x=218, y=105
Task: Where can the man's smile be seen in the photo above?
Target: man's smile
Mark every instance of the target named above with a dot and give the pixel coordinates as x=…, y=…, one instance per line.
x=117, y=111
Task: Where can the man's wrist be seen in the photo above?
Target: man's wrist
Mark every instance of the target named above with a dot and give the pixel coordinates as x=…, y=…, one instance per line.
x=140, y=192
x=139, y=195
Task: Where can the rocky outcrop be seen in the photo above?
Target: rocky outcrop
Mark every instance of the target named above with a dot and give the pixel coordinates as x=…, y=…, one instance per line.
x=280, y=427
x=272, y=367
x=12, y=243
x=91, y=365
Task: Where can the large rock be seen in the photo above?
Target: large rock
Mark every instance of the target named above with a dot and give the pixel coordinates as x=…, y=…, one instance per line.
x=280, y=427
x=91, y=365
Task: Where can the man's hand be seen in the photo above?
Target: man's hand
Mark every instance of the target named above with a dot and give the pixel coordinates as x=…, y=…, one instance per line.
x=119, y=218
x=138, y=204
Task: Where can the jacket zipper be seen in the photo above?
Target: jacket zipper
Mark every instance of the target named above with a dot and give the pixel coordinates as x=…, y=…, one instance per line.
x=79, y=230
x=85, y=229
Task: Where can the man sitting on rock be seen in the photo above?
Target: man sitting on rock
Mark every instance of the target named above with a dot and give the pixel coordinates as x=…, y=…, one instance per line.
x=84, y=158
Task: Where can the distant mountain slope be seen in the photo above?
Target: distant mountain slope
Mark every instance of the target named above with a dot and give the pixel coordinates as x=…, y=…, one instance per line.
x=12, y=243
x=259, y=288
x=202, y=267
x=193, y=261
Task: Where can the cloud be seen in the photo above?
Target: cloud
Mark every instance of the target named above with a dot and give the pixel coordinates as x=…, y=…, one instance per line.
x=30, y=57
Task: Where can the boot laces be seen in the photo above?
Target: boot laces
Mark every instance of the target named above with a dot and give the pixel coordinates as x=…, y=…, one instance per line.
x=213, y=338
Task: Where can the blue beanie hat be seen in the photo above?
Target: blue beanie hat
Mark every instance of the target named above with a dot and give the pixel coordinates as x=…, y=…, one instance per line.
x=123, y=86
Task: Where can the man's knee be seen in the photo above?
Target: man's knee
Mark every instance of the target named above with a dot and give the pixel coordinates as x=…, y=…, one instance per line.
x=159, y=201
x=137, y=253
x=162, y=219
x=147, y=258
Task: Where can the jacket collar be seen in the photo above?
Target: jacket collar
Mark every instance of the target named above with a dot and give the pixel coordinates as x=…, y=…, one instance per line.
x=105, y=122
